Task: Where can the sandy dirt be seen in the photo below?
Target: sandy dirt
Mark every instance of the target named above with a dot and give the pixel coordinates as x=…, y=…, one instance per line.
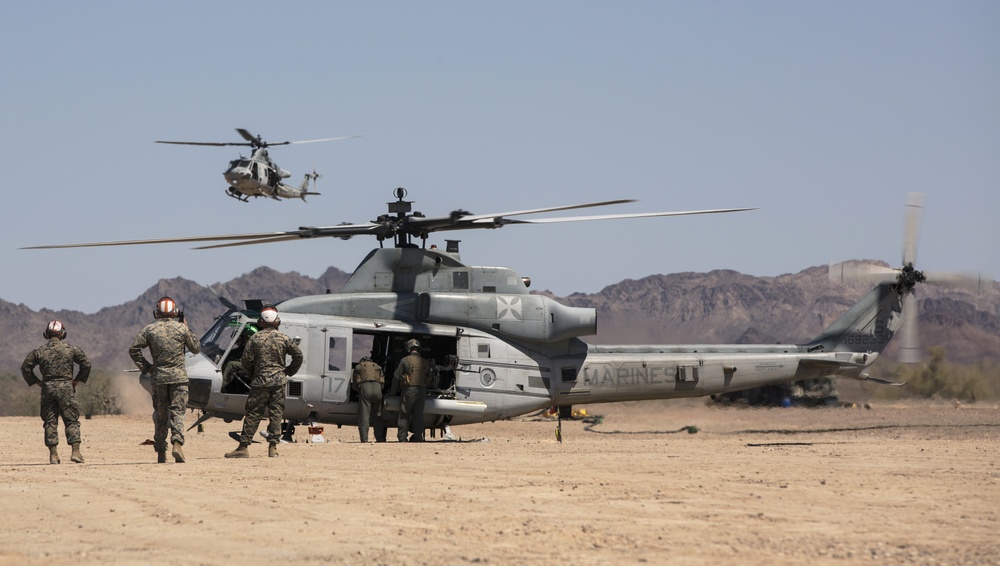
x=898, y=484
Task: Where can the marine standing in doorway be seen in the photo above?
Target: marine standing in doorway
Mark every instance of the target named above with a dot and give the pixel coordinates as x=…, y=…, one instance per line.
x=264, y=362
x=368, y=380
x=167, y=338
x=56, y=359
x=411, y=378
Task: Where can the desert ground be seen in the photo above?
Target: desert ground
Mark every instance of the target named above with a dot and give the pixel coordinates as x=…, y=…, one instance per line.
x=901, y=483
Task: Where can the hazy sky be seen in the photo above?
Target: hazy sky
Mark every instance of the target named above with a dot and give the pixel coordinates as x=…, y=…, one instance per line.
x=823, y=114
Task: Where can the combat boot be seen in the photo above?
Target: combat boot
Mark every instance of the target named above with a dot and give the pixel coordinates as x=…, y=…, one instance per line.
x=76, y=456
x=161, y=457
x=53, y=454
x=272, y=451
x=178, y=453
x=240, y=452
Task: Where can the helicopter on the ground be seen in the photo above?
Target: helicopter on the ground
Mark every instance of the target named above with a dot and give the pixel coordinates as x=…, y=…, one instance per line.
x=499, y=350
x=258, y=175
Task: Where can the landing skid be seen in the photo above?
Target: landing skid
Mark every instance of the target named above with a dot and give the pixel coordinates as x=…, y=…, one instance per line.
x=238, y=196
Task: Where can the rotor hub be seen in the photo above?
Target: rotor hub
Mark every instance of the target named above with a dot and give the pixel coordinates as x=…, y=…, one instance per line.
x=908, y=278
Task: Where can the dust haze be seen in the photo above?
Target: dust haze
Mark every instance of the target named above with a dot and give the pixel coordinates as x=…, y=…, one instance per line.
x=134, y=399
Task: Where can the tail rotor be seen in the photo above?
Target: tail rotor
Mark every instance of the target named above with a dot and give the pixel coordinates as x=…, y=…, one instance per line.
x=304, y=189
x=904, y=279
x=911, y=228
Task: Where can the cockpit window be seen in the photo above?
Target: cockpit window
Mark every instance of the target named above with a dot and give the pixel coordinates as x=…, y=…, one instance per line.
x=221, y=335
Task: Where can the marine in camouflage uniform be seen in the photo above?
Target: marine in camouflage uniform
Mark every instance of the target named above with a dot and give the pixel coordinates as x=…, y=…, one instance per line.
x=411, y=378
x=55, y=360
x=368, y=380
x=166, y=339
x=264, y=363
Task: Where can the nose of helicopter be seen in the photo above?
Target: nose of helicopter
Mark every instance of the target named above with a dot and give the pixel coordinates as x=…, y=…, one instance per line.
x=239, y=178
x=202, y=377
x=234, y=174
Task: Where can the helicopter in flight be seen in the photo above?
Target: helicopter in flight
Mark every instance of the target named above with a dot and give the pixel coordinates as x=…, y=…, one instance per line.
x=498, y=350
x=259, y=175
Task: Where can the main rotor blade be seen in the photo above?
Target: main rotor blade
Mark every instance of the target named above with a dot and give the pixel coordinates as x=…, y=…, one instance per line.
x=481, y=217
x=314, y=141
x=248, y=136
x=304, y=233
x=909, y=349
x=444, y=224
x=617, y=216
x=343, y=231
x=203, y=143
x=911, y=229
x=269, y=144
x=285, y=238
x=261, y=235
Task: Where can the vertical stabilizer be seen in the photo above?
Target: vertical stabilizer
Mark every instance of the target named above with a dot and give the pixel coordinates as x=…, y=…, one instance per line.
x=304, y=187
x=867, y=326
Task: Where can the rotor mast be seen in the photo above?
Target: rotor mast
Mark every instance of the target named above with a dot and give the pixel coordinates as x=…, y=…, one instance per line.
x=401, y=208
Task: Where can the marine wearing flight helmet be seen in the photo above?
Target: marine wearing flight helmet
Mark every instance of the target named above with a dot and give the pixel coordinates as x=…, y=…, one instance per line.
x=264, y=362
x=411, y=378
x=55, y=360
x=166, y=338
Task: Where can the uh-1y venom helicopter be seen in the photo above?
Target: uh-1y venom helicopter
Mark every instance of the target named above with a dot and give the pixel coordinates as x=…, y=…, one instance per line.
x=259, y=176
x=500, y=351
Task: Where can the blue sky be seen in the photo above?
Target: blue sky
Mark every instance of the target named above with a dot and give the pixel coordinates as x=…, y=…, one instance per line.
x=823, y=114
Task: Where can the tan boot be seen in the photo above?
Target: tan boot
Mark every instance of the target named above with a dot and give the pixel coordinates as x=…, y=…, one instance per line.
x=53, y=454
x=272, y=451
x=76, y=456
x=161, y=457
x=178, y=453
x=240, y=452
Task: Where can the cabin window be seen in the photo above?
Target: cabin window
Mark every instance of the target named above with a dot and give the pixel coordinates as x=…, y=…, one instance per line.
x=460, y=280
x=484, y=350
x=569, y=375
x=338, y=354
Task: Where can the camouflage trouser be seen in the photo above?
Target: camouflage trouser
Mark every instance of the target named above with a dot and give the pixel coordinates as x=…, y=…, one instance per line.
x=411, y=413
x=370, y=410
x=261, y=399
x=58, y=400
x=169, y=403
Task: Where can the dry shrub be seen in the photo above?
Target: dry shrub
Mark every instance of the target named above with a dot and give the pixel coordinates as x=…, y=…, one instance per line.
x=935, y=377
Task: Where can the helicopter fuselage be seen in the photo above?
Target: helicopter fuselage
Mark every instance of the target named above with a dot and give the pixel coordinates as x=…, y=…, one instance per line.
x=258, y=176
x=499, y=351
x=492, y=378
